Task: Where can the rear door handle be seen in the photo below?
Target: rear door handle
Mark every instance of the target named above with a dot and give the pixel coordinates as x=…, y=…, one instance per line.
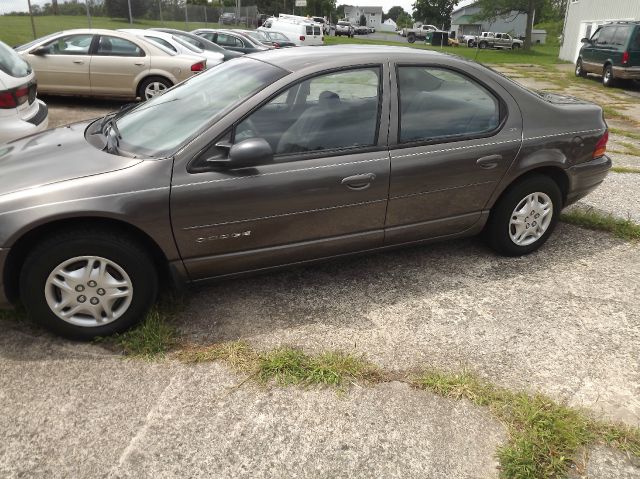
x=79, y=62
x=140, y=64
x=359, y=182
x=489, y=162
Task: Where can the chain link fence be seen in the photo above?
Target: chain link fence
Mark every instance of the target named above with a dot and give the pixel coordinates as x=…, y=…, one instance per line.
x=24, y=20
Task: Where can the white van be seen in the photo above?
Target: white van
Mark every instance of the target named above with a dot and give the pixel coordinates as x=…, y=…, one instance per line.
x=300, y=30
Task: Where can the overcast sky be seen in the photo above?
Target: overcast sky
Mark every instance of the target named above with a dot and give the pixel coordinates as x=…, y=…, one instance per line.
x=387, y=4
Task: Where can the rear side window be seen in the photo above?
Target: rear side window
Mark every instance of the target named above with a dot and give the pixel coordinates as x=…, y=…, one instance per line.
x=635, y=43
x=439, y=103
x=316, y=30
x=606, y=36
x=309, y=30
x=118, y=47
x=12, y=64
x=621, y=35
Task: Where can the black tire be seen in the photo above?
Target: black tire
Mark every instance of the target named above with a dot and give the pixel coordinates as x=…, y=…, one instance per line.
x=119, y=249
x=515, y=46
x=148, y=81
x=497, y=230
x=411, y=38
x=607, y=76
x=580, y=71
x=471, y=44
x=483, y=45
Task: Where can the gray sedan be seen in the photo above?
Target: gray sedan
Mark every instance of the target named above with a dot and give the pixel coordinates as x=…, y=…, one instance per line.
x=279, y=158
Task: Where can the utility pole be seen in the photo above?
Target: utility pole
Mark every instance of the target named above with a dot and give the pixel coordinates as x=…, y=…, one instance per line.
x=86, y=2
x=130, y=15
x=33, y=24
x=160, y=9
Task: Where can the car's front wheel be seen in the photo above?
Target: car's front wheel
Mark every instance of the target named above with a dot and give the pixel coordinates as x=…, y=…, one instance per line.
x=84, y=285
x=580, y=71
x=524, y=217
x=483, y=45
x=411, y=38
x=515, y=46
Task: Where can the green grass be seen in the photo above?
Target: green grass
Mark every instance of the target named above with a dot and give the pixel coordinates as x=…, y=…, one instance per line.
x=540, y=55
x=155, y=336
x=625, y=169
x=591, y=219
x=16, y=30
x=628, y=134
x=630, y=149
x=286, y=366
x=544, y=436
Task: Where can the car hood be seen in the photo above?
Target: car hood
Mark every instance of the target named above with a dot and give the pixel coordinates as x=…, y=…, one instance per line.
x=54, y=156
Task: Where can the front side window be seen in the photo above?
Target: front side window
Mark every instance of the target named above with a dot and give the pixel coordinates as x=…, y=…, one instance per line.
x=334, y=111
x=118, y=47
x=437, y=103
x=70, y=45
x=158, y=126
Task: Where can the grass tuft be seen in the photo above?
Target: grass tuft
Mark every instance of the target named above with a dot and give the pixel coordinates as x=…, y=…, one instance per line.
x=628, y=134
x=544, y=436
x=237, y=354
x=630, y=148
x=594, y=220
x=625, y=169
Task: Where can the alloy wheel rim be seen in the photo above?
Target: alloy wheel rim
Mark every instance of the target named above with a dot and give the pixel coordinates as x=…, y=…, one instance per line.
x=88, y=291
x=154, y=89
x=530, y=219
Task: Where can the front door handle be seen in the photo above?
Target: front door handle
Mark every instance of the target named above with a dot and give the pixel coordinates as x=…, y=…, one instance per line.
x=140, y=64
x=488, y=162
x=359, y=182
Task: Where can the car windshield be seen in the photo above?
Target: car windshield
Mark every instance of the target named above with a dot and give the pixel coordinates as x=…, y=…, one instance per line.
x=12, y=64
x=255, y=35
x=277, y=36
x=159, y=126
x=187, y=45
x=26, y=46
x=343, y=24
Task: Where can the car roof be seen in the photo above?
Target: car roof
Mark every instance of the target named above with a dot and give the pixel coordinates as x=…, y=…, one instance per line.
x=294, y=59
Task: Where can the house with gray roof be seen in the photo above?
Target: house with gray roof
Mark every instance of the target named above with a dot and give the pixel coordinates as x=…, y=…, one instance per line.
x=372, y=14
x=464, y=22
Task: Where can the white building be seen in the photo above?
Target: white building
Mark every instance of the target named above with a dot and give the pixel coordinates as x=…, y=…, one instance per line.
x=389, y=25
x=372, y=14
x=464, y=22
x=583, y=17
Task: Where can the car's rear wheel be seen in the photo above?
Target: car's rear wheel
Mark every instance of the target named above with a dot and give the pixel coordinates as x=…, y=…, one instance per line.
x=411, y=38
x=153, y=86
x=525, y=216
x=483, y=45
x=84, y=285
x=580, y=71
x=470, y=43
x=607, y=76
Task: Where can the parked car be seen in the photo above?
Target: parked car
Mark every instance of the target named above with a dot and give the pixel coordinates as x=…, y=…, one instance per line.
x=361, y=30
x=201, y=43
x=21, y=113
x=269, y=39
x=228, y=18
x=176, y=45
x=105, y=63
x=231, y=40
x=372, y=30
x=300, y=30
x=498, y=40
x=613, y=51
x=345, y=28
x=284, y=157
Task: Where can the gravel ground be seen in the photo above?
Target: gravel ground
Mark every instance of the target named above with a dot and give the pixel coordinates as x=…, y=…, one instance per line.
x=618, y=194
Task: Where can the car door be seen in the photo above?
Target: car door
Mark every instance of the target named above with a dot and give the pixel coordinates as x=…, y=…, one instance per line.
x=64, y=68
x=116, y=66
x=603, y=48
x=324, y=194
x=456, y=133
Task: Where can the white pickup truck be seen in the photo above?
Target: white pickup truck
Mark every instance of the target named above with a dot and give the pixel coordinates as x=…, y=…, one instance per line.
x=419, y=33
x=492, y=40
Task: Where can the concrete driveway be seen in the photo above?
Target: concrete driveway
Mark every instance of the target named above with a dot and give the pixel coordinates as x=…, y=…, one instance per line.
x=564, y=321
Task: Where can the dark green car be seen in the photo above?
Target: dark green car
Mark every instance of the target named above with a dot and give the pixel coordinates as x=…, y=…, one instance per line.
x=613, y=51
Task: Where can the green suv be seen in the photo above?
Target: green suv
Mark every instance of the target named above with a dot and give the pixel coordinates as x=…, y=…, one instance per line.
x=613, y=51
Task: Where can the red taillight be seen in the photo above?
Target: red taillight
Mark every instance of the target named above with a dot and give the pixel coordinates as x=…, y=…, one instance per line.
x=277, y=45
x=7, y=100
x=302, y=38
x=22, y=95
x=198, y=67
x=601, y=146
x=625, y=58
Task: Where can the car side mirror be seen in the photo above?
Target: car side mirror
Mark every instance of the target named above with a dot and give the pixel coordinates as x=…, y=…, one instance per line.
x=585, y=40
x=249, y=152
x=40, y=51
